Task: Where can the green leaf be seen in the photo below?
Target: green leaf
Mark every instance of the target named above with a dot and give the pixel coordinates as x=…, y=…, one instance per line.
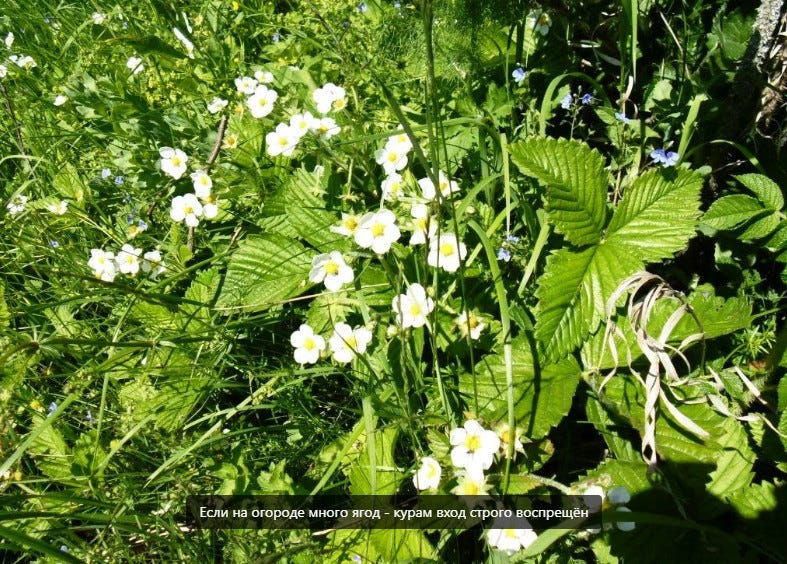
x=306, y=212
x=264, y=270
x=572, y=293
x=576, y=183
x=756, y=499
x=730, y=211
x=540, y=400
x=734, y=462
x=387, y=477
x=766, y=190
x=658, y=214
x=778, y=240
x=761, y=227
x=69, y=184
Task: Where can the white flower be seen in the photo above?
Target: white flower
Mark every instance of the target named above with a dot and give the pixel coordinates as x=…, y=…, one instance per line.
x=185, y=41
x=202, y=183
x=261, y=102
x=135, y=64
x=348, y=226
x=263, y=77
x=60, y=99
x=301, y=124
x=504, y=433
x=282, y=141
x=245, y=84
x=392, y=158
x=58, y=208
x=447, y=186
x=327, y=127
x=474, y=447
x=428, y=475
x=186, y=208
x=103, y=264
x=307, y=345
x=329, y=97
x=401, y=141
x=446, y=252
x=423, y=226
x=377, y=231
x=346, y=342
x=468, y=322
x=392, y=187
x=471, y=486
x=541, y=22
x=17, y=204
x=9, y=39
x=216, y=105
x=596, y=500
x=152, y=263
x=98, y=18
x=412, y=307
x=173, y=161
x=209, y=207
x=510, y=540
x=128, y=259
x=331, y=269
x=3, y=71
x=25, y=62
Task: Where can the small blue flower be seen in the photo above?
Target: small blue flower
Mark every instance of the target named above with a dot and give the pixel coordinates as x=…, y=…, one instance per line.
x=52, y=408
x=129, y=219
x=503, y=254
x=106, y=173
x=398, y=5
x=63, y=548
x=362, y=7
x=118, y=180
x=512, y=239
x=565, y=101
x=276, y=37
x=142, y=225
x=664, y=158
x=88, y=417
x=586, y=99
x=345, y=24
x=125, y=25
x=621, y=117
x=54, y=244
x=519, y=75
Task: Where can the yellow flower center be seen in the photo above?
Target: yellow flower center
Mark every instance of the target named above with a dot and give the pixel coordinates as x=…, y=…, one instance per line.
x=309, y=344
x=331, y=268
x=176, y=161
x=505, y=435
x=339, y=104
x=470, y=488
x=351, y=224
x=510, y=533
x=472, y=322
x=393, y=157
x=378, y=229
x=130, y=259
x=262, y=102
x=543, y=20
x=352, y=342
x=188, y=209
x=209, y=199
x=203, y=180
x=473, y=442
x=415, y=310
x=431, y=471
x=446, y=249
x=420, y=223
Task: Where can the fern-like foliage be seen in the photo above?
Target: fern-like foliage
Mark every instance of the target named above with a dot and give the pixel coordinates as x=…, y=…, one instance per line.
x=655, y=219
